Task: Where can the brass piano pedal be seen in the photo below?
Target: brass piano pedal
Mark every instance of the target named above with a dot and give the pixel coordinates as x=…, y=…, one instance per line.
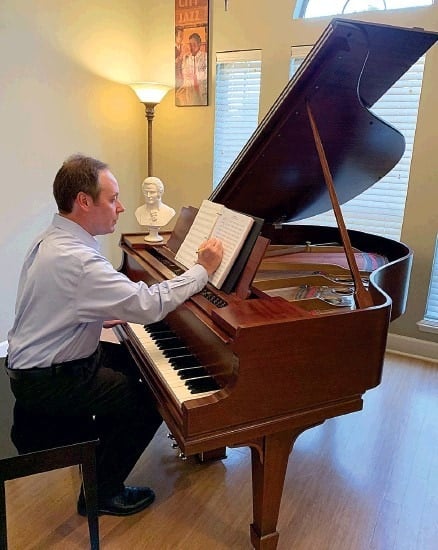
x=174, y=443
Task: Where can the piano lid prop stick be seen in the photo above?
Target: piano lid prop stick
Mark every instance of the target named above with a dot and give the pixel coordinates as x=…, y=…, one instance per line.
x=361, y=296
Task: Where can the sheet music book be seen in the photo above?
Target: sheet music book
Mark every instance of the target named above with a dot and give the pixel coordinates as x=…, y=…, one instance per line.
x=242, y=258
x=216, y=220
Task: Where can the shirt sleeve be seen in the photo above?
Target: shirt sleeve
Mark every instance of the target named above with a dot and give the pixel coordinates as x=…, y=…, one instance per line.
x=105, y=294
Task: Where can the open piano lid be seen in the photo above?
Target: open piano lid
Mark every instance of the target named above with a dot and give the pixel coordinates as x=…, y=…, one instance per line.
x=278, y=175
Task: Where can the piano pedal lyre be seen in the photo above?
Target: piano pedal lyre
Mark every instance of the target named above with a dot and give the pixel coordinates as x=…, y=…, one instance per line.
x=175, y=445
x=205, y=456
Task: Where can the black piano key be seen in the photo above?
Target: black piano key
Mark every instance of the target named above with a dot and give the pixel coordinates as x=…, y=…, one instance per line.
x=169, y=343
x=196, y=390
x=184, y=361
x=176, y=352
x=206, y=383
x=178, y=369
x=159, y=326
x=194, y=372
x=162, y=335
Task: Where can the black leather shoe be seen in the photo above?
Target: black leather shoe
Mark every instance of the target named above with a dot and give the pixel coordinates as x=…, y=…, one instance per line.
x=130, y=501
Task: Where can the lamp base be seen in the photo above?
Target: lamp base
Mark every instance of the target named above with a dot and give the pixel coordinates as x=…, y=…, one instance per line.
x=153, y=236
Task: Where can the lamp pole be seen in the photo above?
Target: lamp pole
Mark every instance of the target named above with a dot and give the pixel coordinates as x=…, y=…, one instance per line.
x=150, y=94
x=150, y=112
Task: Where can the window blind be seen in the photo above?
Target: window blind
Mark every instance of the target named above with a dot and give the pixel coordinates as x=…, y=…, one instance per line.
x=380, y=208
x=430, y=321
x=236, y=107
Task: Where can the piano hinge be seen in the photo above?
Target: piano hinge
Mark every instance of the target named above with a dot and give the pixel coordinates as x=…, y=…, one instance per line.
x=278, y=224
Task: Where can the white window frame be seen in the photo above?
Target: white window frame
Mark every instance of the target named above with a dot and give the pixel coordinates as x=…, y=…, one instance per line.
x=342, y=7
x=237, y=90
x=430, y=321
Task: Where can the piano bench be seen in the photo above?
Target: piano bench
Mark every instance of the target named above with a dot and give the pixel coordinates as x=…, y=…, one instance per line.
x=45, y=456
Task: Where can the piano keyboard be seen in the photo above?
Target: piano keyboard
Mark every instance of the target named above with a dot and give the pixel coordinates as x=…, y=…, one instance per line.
x=172, y=360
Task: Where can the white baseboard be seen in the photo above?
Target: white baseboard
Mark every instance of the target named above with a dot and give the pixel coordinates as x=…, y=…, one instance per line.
x=413, y=347
x=396, y=344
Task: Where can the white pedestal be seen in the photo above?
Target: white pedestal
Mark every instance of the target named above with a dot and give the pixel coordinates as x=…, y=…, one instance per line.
x=153, y=236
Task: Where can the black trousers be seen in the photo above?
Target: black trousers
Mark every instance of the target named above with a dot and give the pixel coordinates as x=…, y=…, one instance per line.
x=100, y=396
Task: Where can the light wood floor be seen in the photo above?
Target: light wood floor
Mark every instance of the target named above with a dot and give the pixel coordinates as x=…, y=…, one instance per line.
x=365, y=481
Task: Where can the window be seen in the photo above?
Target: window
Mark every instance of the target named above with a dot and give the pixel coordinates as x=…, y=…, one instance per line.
x=237, y=106
x=319, y=8
x=380, y=208
x=430, y=321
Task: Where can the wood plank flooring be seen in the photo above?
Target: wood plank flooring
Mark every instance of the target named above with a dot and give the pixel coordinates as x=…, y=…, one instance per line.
x=365, y=481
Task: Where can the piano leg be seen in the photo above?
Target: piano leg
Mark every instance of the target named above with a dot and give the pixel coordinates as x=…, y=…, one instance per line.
x=269, y=458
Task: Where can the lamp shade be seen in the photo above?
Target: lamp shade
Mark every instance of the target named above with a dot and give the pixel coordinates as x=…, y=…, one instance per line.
x=150, y=92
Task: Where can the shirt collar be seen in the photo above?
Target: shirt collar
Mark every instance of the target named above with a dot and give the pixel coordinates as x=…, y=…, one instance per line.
x=60, y=222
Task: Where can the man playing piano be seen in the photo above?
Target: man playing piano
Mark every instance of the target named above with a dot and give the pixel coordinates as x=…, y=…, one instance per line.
x=67, y=292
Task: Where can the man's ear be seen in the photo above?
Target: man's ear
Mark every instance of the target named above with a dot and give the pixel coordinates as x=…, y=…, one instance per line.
x=83, y=199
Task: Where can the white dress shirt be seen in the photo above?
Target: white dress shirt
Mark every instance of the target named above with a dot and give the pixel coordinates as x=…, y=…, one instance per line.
x=67, y=289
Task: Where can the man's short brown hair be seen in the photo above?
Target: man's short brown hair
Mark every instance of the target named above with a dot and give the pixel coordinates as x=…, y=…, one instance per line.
x=77, y=173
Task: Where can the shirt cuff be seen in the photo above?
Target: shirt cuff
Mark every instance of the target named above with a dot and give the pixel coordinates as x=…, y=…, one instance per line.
x=199, y=273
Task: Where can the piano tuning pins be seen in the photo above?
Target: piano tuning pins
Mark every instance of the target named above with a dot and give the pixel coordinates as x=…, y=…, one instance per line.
x=182, y=456
x=175, y=445
x=170, y=436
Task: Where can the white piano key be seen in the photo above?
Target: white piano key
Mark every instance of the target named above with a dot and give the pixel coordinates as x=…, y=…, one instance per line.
x=163, y=367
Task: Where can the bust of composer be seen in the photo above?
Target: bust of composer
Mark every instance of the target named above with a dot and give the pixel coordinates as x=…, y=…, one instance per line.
x=153, y=213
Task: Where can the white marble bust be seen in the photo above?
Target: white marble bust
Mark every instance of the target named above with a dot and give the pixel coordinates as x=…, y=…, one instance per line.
x=153, y=213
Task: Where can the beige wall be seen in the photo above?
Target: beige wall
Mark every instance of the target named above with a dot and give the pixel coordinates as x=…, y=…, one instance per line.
x=63, y=66
x=61, y=90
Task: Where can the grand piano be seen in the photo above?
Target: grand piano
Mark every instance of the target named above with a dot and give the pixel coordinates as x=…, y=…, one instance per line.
x=301, y=335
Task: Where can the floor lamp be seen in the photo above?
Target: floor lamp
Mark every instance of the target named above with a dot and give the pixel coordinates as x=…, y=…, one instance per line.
x=150, y=94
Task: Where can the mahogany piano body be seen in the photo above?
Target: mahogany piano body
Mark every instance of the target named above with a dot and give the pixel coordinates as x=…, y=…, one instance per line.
x=282, y=364
x=281, y=368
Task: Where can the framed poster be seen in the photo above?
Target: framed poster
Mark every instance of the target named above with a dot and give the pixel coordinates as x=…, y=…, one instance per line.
x=191, y=52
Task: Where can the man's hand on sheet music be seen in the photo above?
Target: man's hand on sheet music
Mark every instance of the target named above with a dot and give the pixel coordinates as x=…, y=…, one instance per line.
x=210, y=254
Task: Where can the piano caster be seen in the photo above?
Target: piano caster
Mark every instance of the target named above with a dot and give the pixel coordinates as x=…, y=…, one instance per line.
x=214, y=454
